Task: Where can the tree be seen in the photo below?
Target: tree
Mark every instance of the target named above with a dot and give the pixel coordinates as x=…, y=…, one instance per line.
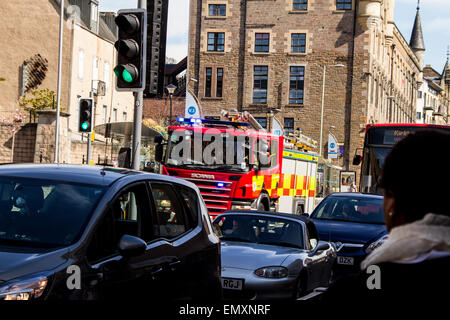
x=40, y=100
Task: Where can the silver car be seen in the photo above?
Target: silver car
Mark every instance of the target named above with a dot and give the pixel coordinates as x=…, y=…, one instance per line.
x=268, y=255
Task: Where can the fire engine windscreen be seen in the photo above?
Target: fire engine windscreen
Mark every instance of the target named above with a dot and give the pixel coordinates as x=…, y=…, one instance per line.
x=216, y=150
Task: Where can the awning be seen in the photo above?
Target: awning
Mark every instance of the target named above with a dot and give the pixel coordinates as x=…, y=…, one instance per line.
x=124, y=129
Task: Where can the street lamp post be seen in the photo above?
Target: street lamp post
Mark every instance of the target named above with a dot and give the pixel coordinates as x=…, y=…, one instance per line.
x=323, y=102
x=171, y=89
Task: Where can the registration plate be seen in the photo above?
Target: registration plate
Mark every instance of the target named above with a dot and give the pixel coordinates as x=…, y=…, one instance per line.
x=346, y=260
x=233, y=284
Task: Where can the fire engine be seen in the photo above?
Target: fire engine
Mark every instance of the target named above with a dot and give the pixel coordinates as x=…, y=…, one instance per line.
x=236, y=164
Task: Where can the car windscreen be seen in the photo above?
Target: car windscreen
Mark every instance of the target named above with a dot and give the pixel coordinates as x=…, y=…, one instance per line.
x=350, y=209
x=260, y=229
x=44, y=213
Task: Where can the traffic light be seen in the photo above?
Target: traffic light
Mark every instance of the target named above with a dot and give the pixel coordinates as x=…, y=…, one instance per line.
x=157, y=12
x=131, y=49
x=86, y=115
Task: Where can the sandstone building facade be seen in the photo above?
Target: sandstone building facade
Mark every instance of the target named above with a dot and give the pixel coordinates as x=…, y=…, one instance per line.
x=31, y=33
x=268, y=57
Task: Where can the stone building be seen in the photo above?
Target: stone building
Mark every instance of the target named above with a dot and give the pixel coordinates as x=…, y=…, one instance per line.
x=433, y=96
x=29, y=60
x=268, y=57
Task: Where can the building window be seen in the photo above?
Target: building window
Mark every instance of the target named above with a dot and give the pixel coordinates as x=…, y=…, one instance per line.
x=216, y=41
x=262, y=42
x=208, y=82
x=219, y=84
x=344, y=4
x=218, y=10
x=115, y=115
x=80, y=64
x=95, y=74
x=418, y=115
x=260, y=74
x=104, y=114
x=262, y=122
x=296, y=85
x=288, y=126
x=300, y=4
x=124, y=117
x=298, y=42
x=106, y=74
x=419, y=94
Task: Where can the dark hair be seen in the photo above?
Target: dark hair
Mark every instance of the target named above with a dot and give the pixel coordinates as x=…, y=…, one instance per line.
x=415, y=172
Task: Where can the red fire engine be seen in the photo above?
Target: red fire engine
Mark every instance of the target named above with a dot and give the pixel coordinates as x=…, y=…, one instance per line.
x=245, y=171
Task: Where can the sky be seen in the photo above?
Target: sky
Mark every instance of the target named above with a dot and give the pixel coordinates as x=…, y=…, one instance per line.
x=435, y=16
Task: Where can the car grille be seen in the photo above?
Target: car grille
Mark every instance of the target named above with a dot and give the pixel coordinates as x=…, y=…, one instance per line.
x=216, y=198
x=350, y=248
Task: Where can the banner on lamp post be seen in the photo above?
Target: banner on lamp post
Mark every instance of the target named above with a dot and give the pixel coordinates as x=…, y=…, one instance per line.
x=276, y=127
x=192, y=108
x=332, y=147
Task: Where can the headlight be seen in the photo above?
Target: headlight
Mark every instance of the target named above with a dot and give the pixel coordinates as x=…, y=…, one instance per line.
x=376, y=244
x=24, y=289
x=272, y=272
x=241, y=207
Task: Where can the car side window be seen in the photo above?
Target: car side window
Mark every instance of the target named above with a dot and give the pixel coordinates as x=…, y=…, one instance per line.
x=170, y=220
x=125, y=216
x=190, y=201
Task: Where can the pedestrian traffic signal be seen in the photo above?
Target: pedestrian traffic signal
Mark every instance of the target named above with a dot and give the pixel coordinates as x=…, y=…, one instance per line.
x=131, y=49
x=86, y=115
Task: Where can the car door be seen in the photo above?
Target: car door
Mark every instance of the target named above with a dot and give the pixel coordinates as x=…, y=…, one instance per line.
x=177, y=229
x=321, y=263
x=110, y=275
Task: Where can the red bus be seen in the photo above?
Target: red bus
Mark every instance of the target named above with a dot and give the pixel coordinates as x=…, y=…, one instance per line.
x=379, y=140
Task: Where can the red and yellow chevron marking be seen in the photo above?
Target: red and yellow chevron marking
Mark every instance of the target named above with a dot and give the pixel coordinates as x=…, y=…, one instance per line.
x=286, y=185
x=297, y=185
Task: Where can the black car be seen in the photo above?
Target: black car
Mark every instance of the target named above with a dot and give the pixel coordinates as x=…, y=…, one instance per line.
x=74, y=232
x=355, y=223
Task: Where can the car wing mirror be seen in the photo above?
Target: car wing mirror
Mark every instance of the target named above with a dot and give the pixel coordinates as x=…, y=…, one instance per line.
x=130, y=246
x=320, y=247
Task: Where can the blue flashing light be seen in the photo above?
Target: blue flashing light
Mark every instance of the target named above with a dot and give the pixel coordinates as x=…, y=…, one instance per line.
x=192, y=120
x=198, y=120
x=180, y=119
x=220, y=184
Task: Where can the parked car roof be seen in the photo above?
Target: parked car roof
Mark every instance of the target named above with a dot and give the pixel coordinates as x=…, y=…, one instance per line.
x=62, y=172
x=356, y=194
x=273, y=214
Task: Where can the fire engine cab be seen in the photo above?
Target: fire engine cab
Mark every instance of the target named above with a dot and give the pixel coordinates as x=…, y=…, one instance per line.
x=236, y=164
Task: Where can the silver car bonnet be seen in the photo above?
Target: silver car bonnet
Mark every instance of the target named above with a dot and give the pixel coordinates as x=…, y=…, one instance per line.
x=252, y=256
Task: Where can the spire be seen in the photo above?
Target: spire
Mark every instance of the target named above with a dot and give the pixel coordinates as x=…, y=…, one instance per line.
x=416, y=41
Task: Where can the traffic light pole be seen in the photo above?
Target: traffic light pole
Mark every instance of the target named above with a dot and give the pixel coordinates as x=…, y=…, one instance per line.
x=89, y=144
x=137, y=126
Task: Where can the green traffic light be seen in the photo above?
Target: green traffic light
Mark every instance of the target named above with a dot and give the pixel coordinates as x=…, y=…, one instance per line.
x=84, y=125
x=127, y=77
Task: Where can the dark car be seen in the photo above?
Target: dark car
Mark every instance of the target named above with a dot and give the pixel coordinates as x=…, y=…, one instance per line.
x=354, y=221
x=74, y=232
x=268, y=255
